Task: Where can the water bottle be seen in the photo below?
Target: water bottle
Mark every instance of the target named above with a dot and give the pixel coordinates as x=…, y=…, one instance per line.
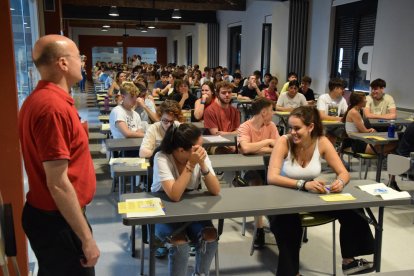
x=391, y=129
x=106, y=103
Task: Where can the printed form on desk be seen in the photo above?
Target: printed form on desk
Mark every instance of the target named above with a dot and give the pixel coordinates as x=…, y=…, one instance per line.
x=215, y=138
x=383, y=191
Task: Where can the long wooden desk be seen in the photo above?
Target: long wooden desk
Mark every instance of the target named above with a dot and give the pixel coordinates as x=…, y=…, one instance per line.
x=374, y=142
x=263, y=200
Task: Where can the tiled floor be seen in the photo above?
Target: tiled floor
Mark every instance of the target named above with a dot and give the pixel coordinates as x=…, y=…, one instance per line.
x=113, y=237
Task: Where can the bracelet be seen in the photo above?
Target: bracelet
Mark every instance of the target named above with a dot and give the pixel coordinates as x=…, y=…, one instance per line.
x=342, y=181
x=205, y=173
x=300, y=184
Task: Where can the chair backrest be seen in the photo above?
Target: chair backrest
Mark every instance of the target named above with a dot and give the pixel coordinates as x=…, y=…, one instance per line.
x=397, y=164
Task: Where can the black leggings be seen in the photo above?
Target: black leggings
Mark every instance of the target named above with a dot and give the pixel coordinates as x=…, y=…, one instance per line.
x=355, y=238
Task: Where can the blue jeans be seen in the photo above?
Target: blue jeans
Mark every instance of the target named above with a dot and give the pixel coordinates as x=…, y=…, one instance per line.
x=178, y=254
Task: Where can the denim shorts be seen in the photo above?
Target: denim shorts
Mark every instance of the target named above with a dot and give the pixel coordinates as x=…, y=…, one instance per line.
x=193, y=230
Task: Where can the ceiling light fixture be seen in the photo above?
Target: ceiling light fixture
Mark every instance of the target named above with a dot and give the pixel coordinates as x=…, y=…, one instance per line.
x=104, y=30
x=11, y=9
x=176, y=14
x=106, y=26
x=151, y=27
x=113, y=11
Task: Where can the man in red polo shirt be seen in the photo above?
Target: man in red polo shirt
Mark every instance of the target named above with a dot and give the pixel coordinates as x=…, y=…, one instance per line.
x=58, y=164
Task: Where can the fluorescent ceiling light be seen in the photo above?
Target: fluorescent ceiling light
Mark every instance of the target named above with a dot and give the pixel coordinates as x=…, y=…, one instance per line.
x=176, y=14
x=144, y=31
x=106, y=26
x=113, y=11
x=104, y=30
x=151, y=27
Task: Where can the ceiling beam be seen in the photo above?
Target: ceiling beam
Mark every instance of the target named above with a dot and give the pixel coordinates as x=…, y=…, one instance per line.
x=194, y=5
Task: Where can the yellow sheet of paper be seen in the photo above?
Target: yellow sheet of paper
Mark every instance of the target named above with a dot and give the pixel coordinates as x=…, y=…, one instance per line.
x=337, y=197
x=379, y=138
x=282, y=112
x=328, y=121
x=148, y=205
x=410, y=119
x=144, y=165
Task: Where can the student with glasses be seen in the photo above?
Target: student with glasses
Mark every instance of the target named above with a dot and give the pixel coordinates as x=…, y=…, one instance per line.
x=169, y=113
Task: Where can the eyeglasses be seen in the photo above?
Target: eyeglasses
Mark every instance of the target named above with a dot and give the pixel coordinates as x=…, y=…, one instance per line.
x=166, y=121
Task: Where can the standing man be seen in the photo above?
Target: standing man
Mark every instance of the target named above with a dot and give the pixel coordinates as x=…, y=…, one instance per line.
x=58, y=164
x=380, y=105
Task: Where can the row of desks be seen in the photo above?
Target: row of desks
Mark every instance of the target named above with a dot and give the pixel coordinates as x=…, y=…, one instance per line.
x=256, y=201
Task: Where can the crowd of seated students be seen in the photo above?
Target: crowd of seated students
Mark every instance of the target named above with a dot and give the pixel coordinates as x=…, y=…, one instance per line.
x=175, y=86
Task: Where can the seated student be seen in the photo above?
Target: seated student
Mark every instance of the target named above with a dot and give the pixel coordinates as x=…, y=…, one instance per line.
x=292, y=99
x=258, y=136
x=266, y=80
x=380, y=105
x=332, y=106
x=124, y=122
x=251, y=90
x=115, y=86
x=145, y=106
x=306, y=91
x=207, y=97
x=355, y=123
x=178, y=167
x=221, y=117
x=237, y=83
x=406, y=144
x=208, y=72
x=271, y=91
x=183, y=96
x=291, y=77
x=169, y=113
x=295, y=163
x=162, y=86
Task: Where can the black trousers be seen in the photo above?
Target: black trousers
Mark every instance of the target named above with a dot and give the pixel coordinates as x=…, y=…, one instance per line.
x=355, y=238
x=57, y=248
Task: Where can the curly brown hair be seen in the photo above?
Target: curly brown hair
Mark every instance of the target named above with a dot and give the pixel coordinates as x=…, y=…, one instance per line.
x=171, y=107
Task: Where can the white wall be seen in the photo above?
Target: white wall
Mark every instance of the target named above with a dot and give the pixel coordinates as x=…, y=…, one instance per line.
x=280, y=28
x=319, y=49
x=199, y=34
x=257, y=13
x=393, y=58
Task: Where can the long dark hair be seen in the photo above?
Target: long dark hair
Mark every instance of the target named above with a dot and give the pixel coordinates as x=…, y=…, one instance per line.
x=355, y=99
x=183, y=136
x=308, y=115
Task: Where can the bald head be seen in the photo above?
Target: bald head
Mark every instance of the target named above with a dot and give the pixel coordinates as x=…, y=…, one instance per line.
x=49, y=48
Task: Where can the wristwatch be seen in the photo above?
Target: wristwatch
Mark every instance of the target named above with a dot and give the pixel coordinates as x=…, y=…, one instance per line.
x=300, y=184
x=205, y=173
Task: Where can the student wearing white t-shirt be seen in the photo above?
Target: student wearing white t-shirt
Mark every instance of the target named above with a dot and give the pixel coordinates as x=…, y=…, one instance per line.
x=291, y=99
x=124, y=122
x=332, y=107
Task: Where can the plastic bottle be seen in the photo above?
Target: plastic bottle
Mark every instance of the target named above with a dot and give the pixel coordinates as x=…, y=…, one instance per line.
x=391, y=129
x=106, y=103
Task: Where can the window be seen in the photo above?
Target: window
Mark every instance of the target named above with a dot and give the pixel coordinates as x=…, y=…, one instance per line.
x=24, y=34
x=234, y=52
x=353, y=43
x=107, y=54
x=148, y=55
x=266, y=45
x=189, y=40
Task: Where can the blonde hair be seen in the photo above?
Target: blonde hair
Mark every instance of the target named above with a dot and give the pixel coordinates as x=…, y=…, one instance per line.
x=128, y=87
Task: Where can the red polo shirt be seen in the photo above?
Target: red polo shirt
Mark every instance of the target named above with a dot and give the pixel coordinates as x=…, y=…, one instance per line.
x=50, y=129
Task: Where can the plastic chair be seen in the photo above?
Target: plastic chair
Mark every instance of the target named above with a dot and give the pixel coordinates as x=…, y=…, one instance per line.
x=345, y=149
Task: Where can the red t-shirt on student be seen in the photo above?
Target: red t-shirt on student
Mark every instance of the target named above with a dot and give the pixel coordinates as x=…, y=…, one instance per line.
x=50, y=129
x=224, y=119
